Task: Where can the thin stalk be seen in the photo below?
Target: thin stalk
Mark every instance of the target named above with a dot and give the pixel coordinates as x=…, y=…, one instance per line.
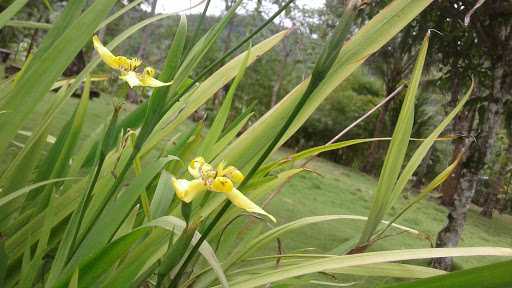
x=195, y=35
x=391, y=96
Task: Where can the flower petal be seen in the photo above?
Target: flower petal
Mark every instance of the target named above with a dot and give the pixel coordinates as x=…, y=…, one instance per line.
x=195, y=165
x=234, y=174
x=105, y=54
x=131, y=78
x=221, y=184
x=187, y=190
x=239, y=200
x=152, y=82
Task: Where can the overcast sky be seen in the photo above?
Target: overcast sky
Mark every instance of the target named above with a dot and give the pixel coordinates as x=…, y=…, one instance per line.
x=216, y=6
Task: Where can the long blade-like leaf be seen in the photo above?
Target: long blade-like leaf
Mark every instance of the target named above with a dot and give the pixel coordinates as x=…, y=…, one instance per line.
x=396, y=151
x=495, y=275
x=364, y=259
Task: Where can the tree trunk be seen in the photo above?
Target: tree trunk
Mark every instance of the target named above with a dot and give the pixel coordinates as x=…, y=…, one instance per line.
x=460, y=126
x=450, y=235
x=494, y=118
x=480, y=156
x=491, y=198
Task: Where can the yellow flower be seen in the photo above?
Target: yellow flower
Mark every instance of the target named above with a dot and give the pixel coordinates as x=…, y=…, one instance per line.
x=120, y=63
x=127, y=67
x=221, y=180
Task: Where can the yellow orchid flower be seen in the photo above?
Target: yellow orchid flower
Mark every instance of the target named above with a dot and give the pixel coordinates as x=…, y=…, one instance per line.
x=120, y=63
x=221, y=180
x=127, y=67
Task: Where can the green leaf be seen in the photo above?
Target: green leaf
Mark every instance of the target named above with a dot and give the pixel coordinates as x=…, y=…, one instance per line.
x=112, y=216
x=425, y=191
x=164, y=194
x=57, y=162
x=395, y=270
x=422, y=150
x=20, y=169
x=59, y=54
x=228, y=137
x=364, y=259
x=272, y=234
x=222, y=115
x=245, y=250
x=19, y=237
x=368, y=40
x=25, y=190
x=206, y=90
x=28, y=24
x=396, y=152
x=153, y=248
x=313, y=152
x=73, y=283
x=8, y=13
x=3, y=261
x=495, y=275
x=158, y=100
x=103, y=261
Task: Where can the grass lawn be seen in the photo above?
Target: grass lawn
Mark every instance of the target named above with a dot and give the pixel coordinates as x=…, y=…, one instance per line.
x=340, y=190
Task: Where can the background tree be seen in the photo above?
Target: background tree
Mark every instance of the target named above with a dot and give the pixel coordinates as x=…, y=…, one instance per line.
x=477, y=49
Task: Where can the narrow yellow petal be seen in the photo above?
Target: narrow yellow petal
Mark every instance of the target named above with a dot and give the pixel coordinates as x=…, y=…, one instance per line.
x=221, y=184
x=131, y=78
x=105, y=54
x=195, y=165
x=187, y=190
x=152, y=82
x=239, y=200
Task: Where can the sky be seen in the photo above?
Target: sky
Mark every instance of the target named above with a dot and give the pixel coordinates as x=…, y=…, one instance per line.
x=216, y=6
